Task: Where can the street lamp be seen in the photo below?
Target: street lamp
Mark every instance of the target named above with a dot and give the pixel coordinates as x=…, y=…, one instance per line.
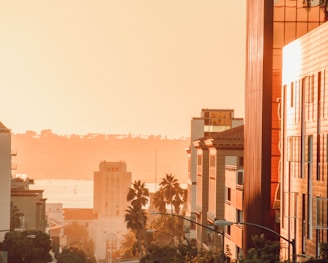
x=290, y=242
x=194, y=222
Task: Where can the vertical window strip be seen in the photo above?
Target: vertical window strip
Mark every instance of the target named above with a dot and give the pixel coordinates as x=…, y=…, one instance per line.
x=303, y=222
x=323, y=84
x=318, y=158
x=318, y=120
x=323, y=81
x=300, y=100
x=292, y=94
x=309, y=201
x=312, y=89
x=322, y=153
x=326, y=152
x=319, y=96
x=312, y=84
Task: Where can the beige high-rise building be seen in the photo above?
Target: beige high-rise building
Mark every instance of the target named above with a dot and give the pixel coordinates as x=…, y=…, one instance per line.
x=111, y=185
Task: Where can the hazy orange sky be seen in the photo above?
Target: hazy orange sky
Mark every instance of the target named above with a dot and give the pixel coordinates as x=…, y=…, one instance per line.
x=123, y=66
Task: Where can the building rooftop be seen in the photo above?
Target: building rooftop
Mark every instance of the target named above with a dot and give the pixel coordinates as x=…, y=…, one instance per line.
x=79, y=214
x=3, y=128
x=236, y=133
x=229, y=139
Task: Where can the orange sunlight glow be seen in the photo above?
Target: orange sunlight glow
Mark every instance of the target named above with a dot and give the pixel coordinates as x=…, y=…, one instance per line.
x=292, y=62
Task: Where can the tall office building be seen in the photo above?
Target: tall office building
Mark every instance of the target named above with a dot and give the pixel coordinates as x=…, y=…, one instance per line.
x=5, y=178
x=211, y=121
x=111, y=185
x=270, y=25
x=214, y=152
x=304, y=138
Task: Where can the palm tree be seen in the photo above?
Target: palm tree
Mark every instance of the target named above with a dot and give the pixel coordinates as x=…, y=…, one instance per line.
x=169, y=193
x=135, y=214
x=172, y=192
x=138, y=194
x=159, y=201
x=127, y=246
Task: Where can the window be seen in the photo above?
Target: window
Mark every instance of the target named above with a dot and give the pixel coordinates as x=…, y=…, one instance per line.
x=240, y=216
x=241, y=161
x=319, y=95
x=309, y=190
x=240, y=178
x=308, y=85
x=303, y=223
x=293, y=148
x=311, y=91
x=292, y=94
x=326, y=148
x=323, y=93
x=318, y=158
x=228, y=230
x=228, y=194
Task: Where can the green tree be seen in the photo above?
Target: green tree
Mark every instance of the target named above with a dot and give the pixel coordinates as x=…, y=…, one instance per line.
x=208, y=256
x=138, y=194
x=75, y=233
x=159, y=201
x=15, y=215
x=135, y=216
x=128, y=246
x=187, y=251
x=172, y=225
x=324, y=251
x=159, y=254
x=77, y=236
x=264, y=251
x=172, y=192
x=27, y=247
x=72, y=255
x=181, y=253
x=323, y=255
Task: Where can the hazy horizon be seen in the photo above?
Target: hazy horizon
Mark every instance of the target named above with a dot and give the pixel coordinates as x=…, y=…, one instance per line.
x=122, y=135
x=119, y=67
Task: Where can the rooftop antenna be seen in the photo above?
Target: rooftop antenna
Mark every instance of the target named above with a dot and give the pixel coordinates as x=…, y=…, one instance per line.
x=155, y=170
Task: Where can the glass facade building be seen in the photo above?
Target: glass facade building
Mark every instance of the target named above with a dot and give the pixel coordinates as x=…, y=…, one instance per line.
x=270, y=26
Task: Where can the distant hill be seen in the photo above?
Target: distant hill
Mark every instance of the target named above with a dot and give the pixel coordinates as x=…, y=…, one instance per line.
x=48, y=155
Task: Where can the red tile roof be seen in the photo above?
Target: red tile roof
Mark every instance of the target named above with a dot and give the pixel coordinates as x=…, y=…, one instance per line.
x=79, y=214
x=228, y=139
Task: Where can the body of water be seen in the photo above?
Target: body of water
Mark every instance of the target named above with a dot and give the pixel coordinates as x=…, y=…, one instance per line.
x=71, y=193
